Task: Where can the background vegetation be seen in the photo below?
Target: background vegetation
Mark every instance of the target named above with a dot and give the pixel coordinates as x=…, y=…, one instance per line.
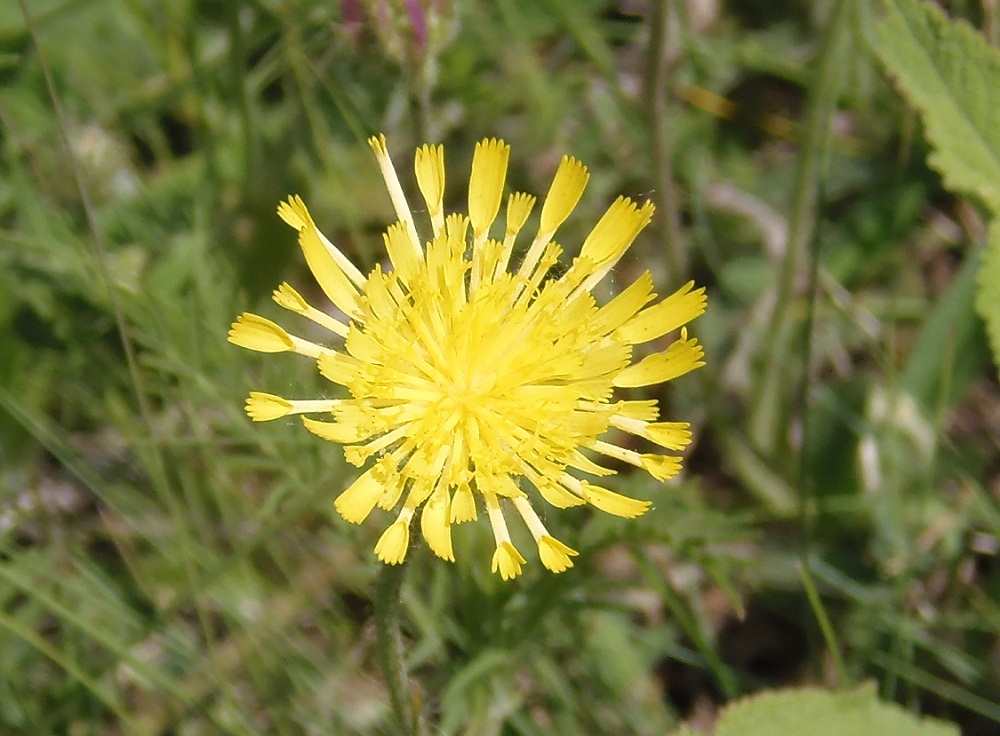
x=168, y=568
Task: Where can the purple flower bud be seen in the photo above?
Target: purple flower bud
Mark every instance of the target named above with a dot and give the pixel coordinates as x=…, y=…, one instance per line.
x=418, y=22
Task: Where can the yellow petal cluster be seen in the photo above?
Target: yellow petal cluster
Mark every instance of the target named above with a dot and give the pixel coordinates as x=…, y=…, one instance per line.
x=473, y=384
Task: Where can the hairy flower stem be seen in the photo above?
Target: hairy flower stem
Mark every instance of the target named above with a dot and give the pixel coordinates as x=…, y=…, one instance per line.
x=389, y=642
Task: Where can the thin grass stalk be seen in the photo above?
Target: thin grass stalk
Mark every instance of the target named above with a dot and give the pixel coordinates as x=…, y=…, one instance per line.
x=154, y=458
x=657, y=84
x=770, y=410
x=688, y=623
x=100, y=252
x=942, y=688
x=806, y=461
x=237, y=60
x=825, y=627
x=71, y=668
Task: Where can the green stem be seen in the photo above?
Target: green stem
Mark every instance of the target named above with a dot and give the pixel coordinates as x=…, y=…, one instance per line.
x=770, y=409
x=689, y=624
x=150, y=448
x=825, y=627
x=657, y=83
x=389, y=642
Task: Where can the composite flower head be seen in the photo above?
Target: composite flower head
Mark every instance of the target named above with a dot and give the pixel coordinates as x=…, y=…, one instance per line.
x=474, y=376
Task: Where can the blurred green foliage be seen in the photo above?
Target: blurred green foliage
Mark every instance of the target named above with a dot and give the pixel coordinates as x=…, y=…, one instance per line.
x=167, y=568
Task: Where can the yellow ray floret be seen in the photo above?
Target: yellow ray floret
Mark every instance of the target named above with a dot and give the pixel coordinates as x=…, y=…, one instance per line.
x=330, y=277
x=567, y=187
x=392, y=545
x=258, y=333
x=682, y=356
x=671, y=435
x=489, y=170
x=519, y=207
x=676, y=310
x=262, y=407
x=392, y=184
x=428, y=166
x=295, y=214
x=435, y=523
x=507, y=561
x=288, y=298
x=463, y=506
x=555, y=555
x=473, y=373
x=357, y=502
x=615, y=503
x=397, y=245
x=614, y=232
x=341, y=433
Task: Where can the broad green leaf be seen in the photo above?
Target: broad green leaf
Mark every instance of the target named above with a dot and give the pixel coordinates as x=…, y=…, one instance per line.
x=952, y=76
x=988, y=289
x=815, y=712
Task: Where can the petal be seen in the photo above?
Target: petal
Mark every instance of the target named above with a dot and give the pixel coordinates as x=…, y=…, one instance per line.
x=555, y=495
x=428, y=166
x=357, y=502
x=644, y=411
x=675, y=311
x=671, y=435
x=295, y=213
x=288, y=298
x=519, y=206
x=338, y=367
x=343, y=434
x=682, y=356
x=463, y=506
x=567, y=186
x=489, y=172
x=614, y=503
x=435, y=524
x=507, y=560
x=330, y=277
x=397, y=245
x=257, y=333
x=623, y=307
x=661, y=467
x=395, y=189
x=554, y=554
x=615, y=231
x=392, y=545
x=262, y=407
x=584, y=463
x=392, y=488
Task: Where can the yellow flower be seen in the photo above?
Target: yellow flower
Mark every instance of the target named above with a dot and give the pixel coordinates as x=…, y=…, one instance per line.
x=468, y=379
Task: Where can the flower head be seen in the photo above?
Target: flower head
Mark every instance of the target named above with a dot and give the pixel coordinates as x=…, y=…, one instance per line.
x=470, y=383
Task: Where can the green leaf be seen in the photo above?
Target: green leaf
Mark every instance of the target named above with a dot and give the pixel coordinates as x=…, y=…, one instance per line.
x=815, y=712
x=950, y=352
x=952, y=76
x=988, y=289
